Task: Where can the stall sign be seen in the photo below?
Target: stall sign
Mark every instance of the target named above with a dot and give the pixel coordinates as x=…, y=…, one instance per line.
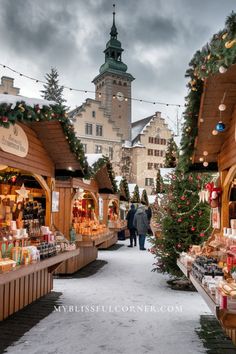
x=55, y=202
x=100, y=207
x=14, y=140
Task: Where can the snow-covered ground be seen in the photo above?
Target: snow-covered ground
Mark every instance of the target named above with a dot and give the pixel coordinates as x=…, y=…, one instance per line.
x=123, y=308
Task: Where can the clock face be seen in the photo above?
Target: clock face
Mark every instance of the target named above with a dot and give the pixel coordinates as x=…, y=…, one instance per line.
x=120, y=96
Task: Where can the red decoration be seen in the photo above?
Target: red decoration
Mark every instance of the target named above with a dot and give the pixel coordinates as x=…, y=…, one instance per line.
x=202, y=234
x=4, y=119
x=191, y=216
x=188, y=202
x=179, y=220
x=183, y=197
x=193, y=228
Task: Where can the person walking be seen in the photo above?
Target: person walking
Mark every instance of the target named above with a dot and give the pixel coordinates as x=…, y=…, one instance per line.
x=130, y=225
x=142, y=225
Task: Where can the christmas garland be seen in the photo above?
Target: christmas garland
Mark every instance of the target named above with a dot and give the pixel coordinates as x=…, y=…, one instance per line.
x=25, y=113
x=102, y=162
x=124, y=185
x=215, y=57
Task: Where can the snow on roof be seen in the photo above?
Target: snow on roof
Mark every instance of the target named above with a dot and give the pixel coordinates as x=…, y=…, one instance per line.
x=118, y=179
x=127, y=144
x=131, y=187
x=138, y=126
x=92, y=158
x=141, y=191
x=151, y=199
x=139, y=145
x=12, y=99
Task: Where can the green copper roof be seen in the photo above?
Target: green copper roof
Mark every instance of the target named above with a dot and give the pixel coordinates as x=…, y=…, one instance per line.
x=113, y=65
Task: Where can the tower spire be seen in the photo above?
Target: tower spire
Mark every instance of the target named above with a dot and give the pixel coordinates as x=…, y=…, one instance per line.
x=114, y=32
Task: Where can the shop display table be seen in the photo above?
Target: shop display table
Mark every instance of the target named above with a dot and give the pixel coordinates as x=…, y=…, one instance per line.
x=27, y=283
x=183, y=268
x=101, y=241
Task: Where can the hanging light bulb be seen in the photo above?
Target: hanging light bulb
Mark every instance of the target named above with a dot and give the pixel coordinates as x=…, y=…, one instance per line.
x=222, y=107
x=205, y=153
x=214, y=132
x=205, y=163
x=222, y=69
x=220, y=127
x=201, y=159
x=201, y=120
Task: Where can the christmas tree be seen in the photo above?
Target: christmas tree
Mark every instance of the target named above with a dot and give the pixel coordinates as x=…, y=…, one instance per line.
x=144, y=198
x=136, y=197
x=171, y=153
x=52, y=90
x=159, y=182
x=185, y=221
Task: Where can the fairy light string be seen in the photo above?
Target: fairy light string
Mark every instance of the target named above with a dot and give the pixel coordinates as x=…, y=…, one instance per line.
x=90, y=91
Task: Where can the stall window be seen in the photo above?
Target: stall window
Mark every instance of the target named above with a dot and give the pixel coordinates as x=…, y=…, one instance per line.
x=88, y=129
x=98, y=149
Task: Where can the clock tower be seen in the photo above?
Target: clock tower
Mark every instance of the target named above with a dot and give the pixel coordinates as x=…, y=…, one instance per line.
x=113, y=85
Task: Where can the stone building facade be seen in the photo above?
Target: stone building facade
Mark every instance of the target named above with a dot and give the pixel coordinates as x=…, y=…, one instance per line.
x=7, y=86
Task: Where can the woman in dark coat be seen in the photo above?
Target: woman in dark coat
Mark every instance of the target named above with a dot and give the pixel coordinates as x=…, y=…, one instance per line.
x=130, y=225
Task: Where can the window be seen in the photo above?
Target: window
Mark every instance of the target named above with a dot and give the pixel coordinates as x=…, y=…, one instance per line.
x=93, y=114
x=110, y=152
x=85, y=148
x=98, y=130
x=150, y=152
x=151, y=140
x=98, y=149
x=88, y=129
x=156, y=152
x=150, y=165
x=149, y=182
x=156, y=166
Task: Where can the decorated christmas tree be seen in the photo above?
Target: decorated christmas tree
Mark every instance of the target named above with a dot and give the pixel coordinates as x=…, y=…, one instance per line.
x=136, y=197
x=185, y=221
x=171, y=153
x=159, y=183
x=144, y=198
x=52, y=90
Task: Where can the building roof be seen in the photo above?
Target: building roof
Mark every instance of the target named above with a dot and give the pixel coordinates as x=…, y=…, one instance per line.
x=139, y=126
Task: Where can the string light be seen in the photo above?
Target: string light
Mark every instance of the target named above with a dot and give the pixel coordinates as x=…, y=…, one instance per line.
x=89, y=91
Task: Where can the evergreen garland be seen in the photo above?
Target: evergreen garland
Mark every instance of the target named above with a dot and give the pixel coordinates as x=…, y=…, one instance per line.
x=23, y=113
x=220, y=52
x=124, y=186
x=102, y=162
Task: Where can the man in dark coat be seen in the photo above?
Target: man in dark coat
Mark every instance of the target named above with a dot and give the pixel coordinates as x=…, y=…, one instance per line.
x=142, y=225
x=130, y=225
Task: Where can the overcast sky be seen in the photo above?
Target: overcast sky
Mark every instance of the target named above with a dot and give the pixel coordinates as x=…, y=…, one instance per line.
x=159, y=38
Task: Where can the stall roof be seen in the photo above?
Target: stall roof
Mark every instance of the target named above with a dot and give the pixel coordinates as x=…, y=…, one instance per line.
x=53, y=128
x=102, y=171
x=215, y=88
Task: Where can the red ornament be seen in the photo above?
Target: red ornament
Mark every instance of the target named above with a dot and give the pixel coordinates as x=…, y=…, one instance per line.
x=193, y=228
x=191, y=216
x=202, y=234
x=183, y=197
x=188, y=202
x=200, y=212
x=4, y=119
x=179, y=220
x=179, y=206
x=179, y=245
x=13, y=179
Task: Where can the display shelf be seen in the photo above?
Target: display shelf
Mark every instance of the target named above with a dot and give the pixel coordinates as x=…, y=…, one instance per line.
x=209, y=299
x=24, y=270
x=183, y=268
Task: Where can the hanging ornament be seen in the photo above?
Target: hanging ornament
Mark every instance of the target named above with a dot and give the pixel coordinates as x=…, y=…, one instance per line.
x=202, y=234
x=183, y=197
x=220, y=127
x=222, y=69
x=230, y=44
x=205, y=163
x=222, y=107
x=193, y=228
x=23, y=193
x=201, y=159
x=179, y=220
x=214, y=132
x=205, y=153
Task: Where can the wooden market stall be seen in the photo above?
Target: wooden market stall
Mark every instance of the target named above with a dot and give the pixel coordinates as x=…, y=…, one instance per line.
x=35, y=136
x=215, y=146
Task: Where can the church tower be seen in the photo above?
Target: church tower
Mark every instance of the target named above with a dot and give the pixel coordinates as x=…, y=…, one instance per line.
x=113, y=85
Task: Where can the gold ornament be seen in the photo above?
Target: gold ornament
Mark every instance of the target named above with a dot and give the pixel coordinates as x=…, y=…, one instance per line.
x=224, y=35
x=230, y=44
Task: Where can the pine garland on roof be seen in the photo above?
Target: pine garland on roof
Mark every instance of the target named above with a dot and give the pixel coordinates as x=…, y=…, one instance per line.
x=125, y=187
x=25, y=113
x=102, y=162
x=216, y=56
